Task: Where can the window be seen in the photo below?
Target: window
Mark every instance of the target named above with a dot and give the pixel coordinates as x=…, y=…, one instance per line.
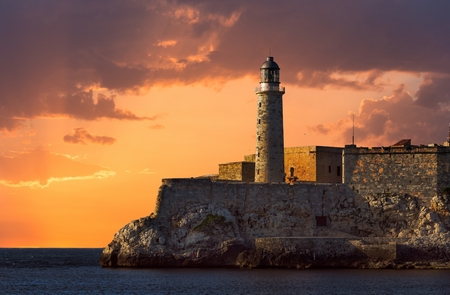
x=257, y=171
x=259, y=104
x=259, y=138
x=321, y=221
x=338, y=170
x=259, y=121
x=265, y=75
x=291, y=171
x=329, y=169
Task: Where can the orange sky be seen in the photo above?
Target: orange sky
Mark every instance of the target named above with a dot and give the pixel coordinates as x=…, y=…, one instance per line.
x=98, y=104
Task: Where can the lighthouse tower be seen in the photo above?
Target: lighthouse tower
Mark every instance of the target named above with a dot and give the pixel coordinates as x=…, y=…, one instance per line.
x=269, y=159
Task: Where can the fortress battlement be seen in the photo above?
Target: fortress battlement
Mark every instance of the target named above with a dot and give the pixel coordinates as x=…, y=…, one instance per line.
x=418, y=149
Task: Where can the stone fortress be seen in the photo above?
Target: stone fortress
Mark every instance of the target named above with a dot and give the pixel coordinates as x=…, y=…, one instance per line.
x=311, y=206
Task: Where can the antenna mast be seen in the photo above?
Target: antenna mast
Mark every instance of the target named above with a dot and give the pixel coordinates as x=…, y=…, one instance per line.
x=448, y=138
x=353, y=130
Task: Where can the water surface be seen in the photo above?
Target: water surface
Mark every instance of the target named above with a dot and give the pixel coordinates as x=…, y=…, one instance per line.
x=76, y=271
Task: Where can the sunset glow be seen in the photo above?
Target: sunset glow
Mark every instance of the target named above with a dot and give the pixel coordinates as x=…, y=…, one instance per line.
x=100, y=101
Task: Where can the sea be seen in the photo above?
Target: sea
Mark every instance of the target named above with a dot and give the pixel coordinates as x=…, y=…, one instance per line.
x=77, y=271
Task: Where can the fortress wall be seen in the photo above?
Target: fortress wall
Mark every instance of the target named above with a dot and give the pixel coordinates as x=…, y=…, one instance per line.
x=329, y=164
x=410, y=170
x=241, y=196
x=230, y=171
x=302, y=160
x=281, y=209
x=241, y=171
x=443, y=168
x=250, y=158
x=309, y=163
x=176, y=196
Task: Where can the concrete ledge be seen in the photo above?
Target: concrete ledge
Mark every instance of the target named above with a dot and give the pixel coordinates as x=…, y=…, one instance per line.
x=320, y=247
x=327, y=247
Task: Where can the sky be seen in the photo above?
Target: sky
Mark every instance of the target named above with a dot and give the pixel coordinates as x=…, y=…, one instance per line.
x=100, y=100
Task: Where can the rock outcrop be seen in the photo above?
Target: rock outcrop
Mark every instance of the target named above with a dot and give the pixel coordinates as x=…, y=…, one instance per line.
x=202, y=223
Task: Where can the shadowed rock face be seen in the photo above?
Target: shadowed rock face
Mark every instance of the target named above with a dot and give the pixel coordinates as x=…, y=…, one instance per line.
x=208, y=224
x=203, y=237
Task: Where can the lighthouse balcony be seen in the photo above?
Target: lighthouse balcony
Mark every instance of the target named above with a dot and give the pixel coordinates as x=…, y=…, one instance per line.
x=270, y=88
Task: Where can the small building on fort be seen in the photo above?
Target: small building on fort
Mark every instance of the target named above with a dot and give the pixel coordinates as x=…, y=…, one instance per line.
x=321, y=164
x=422, y=171
x=237, y=171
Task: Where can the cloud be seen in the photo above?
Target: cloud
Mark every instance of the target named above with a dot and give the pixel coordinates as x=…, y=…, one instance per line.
x=147, y=171
x=82, y=136
x=53, y=55
x=38, y=169
x=389, y=119
x=434, y=92
x=167, y=43
x=81, y=105
x=371, y=80
x=158, y=116
x=156, y=127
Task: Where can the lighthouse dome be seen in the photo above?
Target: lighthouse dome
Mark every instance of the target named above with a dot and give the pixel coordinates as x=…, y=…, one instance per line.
x=270, y=71
x=270, y=64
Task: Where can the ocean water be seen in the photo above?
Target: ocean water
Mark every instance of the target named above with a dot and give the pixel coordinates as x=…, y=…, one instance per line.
x=76, y=271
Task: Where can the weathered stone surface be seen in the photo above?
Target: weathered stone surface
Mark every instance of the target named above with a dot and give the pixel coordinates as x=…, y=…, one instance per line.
x=320, y=164
x=201, y=223
x=421, y=171
x=240, y=171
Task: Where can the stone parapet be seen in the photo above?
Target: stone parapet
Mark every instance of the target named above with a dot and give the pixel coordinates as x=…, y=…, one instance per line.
x=421, y=171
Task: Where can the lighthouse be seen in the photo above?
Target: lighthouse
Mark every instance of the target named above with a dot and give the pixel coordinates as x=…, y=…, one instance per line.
x=269, y=158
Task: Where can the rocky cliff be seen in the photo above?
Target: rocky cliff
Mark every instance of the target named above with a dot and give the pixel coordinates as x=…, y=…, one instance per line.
x=203, y=223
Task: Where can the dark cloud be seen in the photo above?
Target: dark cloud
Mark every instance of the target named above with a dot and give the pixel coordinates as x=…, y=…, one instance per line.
x=387, y=120
x=434, y=92
x=81, y=105
x=318, y=79
x=82, y=136
x=53, y=53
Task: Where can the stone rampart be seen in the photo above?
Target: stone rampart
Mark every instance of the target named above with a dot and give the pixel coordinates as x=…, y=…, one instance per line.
x=242, y=198
x=421, y=171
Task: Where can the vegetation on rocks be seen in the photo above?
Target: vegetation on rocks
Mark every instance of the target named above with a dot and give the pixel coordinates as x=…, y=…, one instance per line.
x=210, y=221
